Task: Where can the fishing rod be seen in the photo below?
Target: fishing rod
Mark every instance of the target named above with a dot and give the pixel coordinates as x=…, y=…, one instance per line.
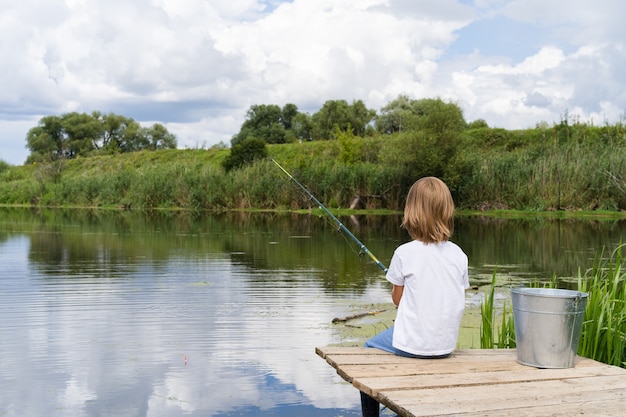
x=362, y=248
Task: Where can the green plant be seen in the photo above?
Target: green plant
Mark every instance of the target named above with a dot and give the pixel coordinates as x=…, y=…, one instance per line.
x=506, y=332
x=245, y=153
x=603, y=335
x=488, y=330
x=4, y=166
x=487, y=314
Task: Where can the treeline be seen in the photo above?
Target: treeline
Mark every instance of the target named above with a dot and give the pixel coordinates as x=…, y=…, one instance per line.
x=567, y=166
x=273, y=124
x=337, y=119
x=80, y=134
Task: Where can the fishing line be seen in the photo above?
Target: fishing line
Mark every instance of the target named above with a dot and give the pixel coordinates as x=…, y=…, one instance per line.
x=359, y=252
x=362, y=248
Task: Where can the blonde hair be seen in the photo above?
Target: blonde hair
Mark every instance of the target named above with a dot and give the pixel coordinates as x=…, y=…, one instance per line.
x=429, y=211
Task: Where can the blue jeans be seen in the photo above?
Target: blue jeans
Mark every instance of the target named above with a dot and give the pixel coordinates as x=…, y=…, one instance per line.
x=384, y=341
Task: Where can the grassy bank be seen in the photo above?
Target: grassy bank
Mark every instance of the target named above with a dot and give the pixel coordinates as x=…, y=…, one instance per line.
x=559, y=169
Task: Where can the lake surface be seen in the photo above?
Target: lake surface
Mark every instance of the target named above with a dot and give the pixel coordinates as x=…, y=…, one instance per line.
x=170, y=314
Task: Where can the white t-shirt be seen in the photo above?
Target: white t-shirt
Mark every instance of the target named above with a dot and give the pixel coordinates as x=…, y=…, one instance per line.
x=434, y=277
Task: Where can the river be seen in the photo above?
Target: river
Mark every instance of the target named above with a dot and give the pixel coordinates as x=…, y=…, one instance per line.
x=172, y=313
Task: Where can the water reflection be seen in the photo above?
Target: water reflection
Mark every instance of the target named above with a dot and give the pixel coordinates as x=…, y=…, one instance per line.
x=528, y=249
x=168, y=314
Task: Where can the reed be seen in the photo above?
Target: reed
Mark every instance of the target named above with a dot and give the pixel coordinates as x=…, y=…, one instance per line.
x=487, y=314
x=506, y=332
x=489, y=328
x=547, y=178
x=603, y=334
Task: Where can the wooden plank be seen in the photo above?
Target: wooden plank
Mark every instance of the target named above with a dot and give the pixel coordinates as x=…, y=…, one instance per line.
x=537, y=389
x=323, y=351
x=564, y=404
x=420, y=367
x=434, y=380
x=479, y=399
x=336, y=360
x=591, y=408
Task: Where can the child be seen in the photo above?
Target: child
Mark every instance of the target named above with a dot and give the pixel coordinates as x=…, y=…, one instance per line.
x=429, y=277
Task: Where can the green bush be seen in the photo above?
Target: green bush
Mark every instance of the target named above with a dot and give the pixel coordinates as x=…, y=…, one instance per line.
x=245, y=153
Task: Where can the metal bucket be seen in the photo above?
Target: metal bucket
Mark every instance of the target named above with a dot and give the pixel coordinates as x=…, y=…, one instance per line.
x=548, y=322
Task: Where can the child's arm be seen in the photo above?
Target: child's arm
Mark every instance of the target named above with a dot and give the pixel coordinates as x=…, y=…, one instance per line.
x=396, y=294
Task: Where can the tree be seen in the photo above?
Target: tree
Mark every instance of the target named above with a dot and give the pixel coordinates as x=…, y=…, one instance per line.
x=444, y=121
x=438, y=117
x=131, y=138
x=432, y=115
x=302, y=127
x=118, y=133
x=361, y=117
x=73, y=134
x=80, y=129
x=46, y=141
x=425, y=135
x=333, y=113
x=245, y=153
x=395, y=116
x=288, y=113
x=477, y=124
x=157, y=137
x=338, y=114
x=263, y=122
x=270, y=123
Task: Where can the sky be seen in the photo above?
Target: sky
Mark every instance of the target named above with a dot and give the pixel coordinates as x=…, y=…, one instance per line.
x=197, y=66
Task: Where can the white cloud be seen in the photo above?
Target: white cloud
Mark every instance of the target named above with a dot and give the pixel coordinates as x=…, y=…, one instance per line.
x=197, y=66
x=547, y=58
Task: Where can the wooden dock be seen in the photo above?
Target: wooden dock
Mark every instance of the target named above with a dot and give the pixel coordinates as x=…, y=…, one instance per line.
x=479, y=382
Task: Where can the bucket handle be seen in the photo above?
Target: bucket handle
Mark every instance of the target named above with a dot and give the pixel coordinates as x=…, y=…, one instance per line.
x=577, y=299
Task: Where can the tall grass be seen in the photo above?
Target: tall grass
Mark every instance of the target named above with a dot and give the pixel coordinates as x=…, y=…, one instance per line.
x=493, y=335
x=603, y=334
x=548, y=178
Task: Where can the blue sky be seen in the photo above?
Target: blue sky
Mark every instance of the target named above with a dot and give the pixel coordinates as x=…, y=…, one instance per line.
x=197, y=66
x=499, y=36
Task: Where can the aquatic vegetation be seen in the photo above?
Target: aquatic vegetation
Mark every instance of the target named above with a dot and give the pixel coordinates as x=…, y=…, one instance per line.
x=491, y=335
x=603, y=334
